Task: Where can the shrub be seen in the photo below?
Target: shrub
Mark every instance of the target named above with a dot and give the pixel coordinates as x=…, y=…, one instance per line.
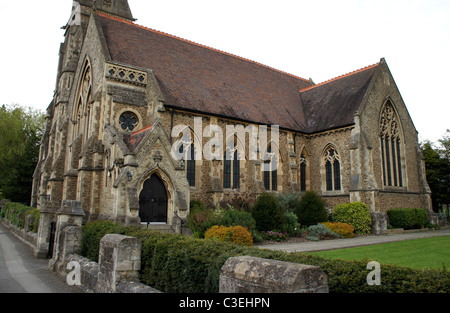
x=356, y=214
x=290, y=223
x=17, y=212
x=275, y=236
x=289, y=201
x=178, y=264
x=320, y=232
x=408, y=218
x=92, y=234
x=235, y=217
x=33, y=226
x=235, y=234
x=201, y=218
x=342, y=229
x=267, y=212
x=311, y=209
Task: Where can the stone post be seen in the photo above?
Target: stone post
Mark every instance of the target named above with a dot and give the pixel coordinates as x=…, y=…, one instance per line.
x=255, y=275
x=379, y=223
x=70, y=214
x=119, y=261
x=47, y=213
x=69, y=242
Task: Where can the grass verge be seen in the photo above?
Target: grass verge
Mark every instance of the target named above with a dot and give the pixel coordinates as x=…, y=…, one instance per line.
x=423, y=253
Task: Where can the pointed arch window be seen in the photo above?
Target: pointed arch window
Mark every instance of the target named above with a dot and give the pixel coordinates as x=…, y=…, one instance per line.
x=304, y=171
x=231, y=167
x=332, y=169
x=187, y=149
x=82, y=113
x=391, y=142
x=271, y=170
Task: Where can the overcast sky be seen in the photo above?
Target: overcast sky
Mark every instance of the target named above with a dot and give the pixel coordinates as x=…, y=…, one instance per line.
x=318, y=39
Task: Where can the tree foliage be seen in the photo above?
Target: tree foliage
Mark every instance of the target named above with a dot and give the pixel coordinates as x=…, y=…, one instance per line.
x=21, y=131
x=437, y=161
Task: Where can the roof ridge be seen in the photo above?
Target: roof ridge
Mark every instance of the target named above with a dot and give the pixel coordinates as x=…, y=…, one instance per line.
x=341, y=76
x=198, y=44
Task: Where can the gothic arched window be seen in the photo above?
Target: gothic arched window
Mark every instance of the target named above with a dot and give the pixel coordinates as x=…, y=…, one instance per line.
x=271, y=170
x=82, y=110
x=187, y=150
x=231, y=167
x=390, y=141
x=332, y=164
x=304, y=171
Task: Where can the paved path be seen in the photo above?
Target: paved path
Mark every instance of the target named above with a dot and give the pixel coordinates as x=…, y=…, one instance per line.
x=21, y=272
x=352, y=242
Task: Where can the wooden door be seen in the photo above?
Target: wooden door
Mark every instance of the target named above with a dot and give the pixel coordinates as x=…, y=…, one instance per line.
x=153, y=201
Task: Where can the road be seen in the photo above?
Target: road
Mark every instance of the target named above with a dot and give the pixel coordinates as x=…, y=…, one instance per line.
x=21, y=272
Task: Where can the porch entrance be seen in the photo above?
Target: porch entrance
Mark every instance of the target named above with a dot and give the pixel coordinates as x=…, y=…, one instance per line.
x=153, y=201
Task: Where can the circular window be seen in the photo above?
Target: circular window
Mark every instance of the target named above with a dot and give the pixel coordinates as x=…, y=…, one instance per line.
x=128, y=121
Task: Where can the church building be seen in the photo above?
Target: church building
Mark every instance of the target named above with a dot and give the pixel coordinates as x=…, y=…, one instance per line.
x=128, y=99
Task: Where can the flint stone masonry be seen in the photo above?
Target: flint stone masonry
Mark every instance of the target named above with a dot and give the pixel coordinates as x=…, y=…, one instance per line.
x=255, y=275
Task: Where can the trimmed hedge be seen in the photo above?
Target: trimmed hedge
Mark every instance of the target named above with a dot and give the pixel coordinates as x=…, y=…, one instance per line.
x=17, y=212
x=179, y=264
x=408, y=218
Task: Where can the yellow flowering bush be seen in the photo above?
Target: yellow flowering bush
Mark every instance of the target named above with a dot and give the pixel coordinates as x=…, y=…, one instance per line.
x=235, y=234
x=342, y=229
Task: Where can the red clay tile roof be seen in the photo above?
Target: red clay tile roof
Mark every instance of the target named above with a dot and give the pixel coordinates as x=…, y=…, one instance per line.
x=133, y=140
x=201, y=79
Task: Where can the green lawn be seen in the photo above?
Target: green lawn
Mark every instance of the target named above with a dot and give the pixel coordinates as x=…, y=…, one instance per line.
x=418, y=253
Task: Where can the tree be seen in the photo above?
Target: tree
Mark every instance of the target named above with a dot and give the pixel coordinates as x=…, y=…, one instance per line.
x=267, y=213
x=444, y=150
x=437, y=162
x=311, y=209
x=21, y=131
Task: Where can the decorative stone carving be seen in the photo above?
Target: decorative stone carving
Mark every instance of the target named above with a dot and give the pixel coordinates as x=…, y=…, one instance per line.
x=388, y=123
x=126, y=75
x=157, y=157
x=107, y=3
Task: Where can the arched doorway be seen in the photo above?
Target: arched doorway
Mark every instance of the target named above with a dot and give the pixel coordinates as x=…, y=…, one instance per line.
x=153, y=201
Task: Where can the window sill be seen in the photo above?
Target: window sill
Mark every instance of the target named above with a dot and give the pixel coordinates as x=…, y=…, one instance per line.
x=334, y=193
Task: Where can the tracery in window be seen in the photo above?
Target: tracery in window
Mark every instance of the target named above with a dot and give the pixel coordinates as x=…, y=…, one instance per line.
x=332, y=164
x=82, y=109
x=128, y=121
x=390, y=141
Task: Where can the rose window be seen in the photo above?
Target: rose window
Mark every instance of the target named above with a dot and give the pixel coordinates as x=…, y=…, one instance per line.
x=128, y=121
